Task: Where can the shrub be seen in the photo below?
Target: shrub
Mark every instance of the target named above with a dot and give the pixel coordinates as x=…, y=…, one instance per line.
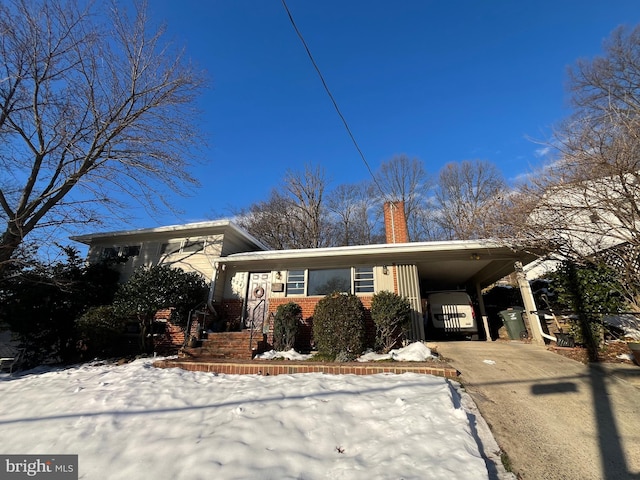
x=100, y=330
x=338, y=326
x=41, y=301
x=150, y=289
x=589, y=291
x=391, y=315
x=285, y=326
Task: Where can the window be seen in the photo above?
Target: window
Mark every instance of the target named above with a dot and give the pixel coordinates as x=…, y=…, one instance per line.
x=322, y=282
x=193, y=246
x=295, y=282
x=328, y=280
x=109, y=253
x=170, y=248
x=124, y=251
x=130, y=251
x=363, y=280
x=188, y=246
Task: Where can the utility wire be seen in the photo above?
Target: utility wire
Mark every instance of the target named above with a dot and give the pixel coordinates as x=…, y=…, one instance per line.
x=335, y=104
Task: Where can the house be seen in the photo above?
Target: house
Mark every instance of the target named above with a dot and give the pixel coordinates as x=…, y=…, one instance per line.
x=249, y=282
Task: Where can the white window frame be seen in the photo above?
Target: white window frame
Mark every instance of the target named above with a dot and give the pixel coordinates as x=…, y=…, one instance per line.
x=181, y=246
x=304, y=283
x=354, y=282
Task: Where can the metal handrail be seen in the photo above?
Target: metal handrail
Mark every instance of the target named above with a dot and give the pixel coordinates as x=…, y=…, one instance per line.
x=192, y=312
x=253, y=312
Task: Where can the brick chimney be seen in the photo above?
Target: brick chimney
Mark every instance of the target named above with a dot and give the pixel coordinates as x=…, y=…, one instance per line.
x=395, y=223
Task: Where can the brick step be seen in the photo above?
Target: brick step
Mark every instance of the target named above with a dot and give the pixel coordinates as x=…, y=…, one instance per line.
x=236, y=345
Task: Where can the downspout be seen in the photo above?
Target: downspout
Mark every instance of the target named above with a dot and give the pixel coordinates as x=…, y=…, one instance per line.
x=212, y=288
x=549, y=337
x=530, y=306
x=483, y=313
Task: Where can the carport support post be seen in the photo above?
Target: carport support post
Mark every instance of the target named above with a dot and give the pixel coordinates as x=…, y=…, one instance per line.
x=529, y=304
x=483, y=312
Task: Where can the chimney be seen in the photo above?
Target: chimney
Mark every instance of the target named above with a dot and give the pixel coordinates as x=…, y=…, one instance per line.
x=395, y=223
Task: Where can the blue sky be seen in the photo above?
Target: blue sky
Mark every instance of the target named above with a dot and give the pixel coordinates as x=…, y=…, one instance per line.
x=438, y=80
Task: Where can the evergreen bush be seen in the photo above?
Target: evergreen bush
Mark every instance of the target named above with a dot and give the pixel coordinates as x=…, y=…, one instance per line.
x=100, y=330
x=338, y=326
x=589, y=292
x=150, y=289
x=285, y=326
x=40, y=303
x=391, y=315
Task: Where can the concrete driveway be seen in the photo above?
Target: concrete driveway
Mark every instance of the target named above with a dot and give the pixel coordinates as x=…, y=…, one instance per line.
x=554, y=417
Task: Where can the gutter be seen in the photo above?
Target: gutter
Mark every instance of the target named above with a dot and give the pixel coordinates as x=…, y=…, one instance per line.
x=212, y=289
x=534, y=315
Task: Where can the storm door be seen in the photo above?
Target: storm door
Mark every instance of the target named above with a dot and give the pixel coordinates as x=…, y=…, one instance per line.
x=257, y=299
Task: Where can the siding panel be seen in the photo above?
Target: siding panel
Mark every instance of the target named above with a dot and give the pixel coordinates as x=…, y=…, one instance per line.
x=409, y=287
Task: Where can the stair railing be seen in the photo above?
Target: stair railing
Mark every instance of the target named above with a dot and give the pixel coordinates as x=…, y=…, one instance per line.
x=253, y=321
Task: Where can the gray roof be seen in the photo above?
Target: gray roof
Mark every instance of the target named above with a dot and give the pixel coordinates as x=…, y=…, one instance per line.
x=214, y=227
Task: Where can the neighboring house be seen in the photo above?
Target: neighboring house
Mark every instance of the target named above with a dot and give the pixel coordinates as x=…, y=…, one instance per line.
x=248, y=282
x=586, y=218
x=590, y=220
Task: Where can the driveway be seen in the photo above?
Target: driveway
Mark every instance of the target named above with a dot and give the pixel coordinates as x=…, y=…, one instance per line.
x=554, y=417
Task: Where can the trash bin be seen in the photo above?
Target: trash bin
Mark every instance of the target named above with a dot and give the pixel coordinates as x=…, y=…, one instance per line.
x=512, y=319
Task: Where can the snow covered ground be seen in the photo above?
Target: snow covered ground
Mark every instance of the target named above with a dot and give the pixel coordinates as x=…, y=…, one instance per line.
x=135, y=421
x=629, y=324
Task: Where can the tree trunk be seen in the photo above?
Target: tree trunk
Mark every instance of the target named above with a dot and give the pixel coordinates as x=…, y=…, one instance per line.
x=9, y=243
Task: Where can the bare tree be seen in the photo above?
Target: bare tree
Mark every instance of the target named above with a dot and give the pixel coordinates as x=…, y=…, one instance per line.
x=585, y=206
x=307, y=189
x=467, y=196
x=405, y=179
x=355, y=217
x=89, y=111
x=268, y=221
x=294, y=216
x=426, y=223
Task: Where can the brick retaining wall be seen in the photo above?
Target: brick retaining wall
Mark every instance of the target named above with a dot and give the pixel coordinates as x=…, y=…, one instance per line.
x=277, y=368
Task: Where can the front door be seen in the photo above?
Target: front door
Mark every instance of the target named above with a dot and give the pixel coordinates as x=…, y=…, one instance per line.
x=257, y=299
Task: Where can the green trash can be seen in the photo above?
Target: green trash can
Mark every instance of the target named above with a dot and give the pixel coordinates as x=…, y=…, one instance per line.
x=512, y=319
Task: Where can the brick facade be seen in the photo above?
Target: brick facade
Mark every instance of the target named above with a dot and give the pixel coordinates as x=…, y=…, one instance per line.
x=172, y=339
x=304, y=339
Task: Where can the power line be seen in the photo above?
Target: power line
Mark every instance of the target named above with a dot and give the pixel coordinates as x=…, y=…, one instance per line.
x=335, y=104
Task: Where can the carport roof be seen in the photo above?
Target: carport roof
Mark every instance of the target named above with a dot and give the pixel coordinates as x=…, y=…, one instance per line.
x=447, y=264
